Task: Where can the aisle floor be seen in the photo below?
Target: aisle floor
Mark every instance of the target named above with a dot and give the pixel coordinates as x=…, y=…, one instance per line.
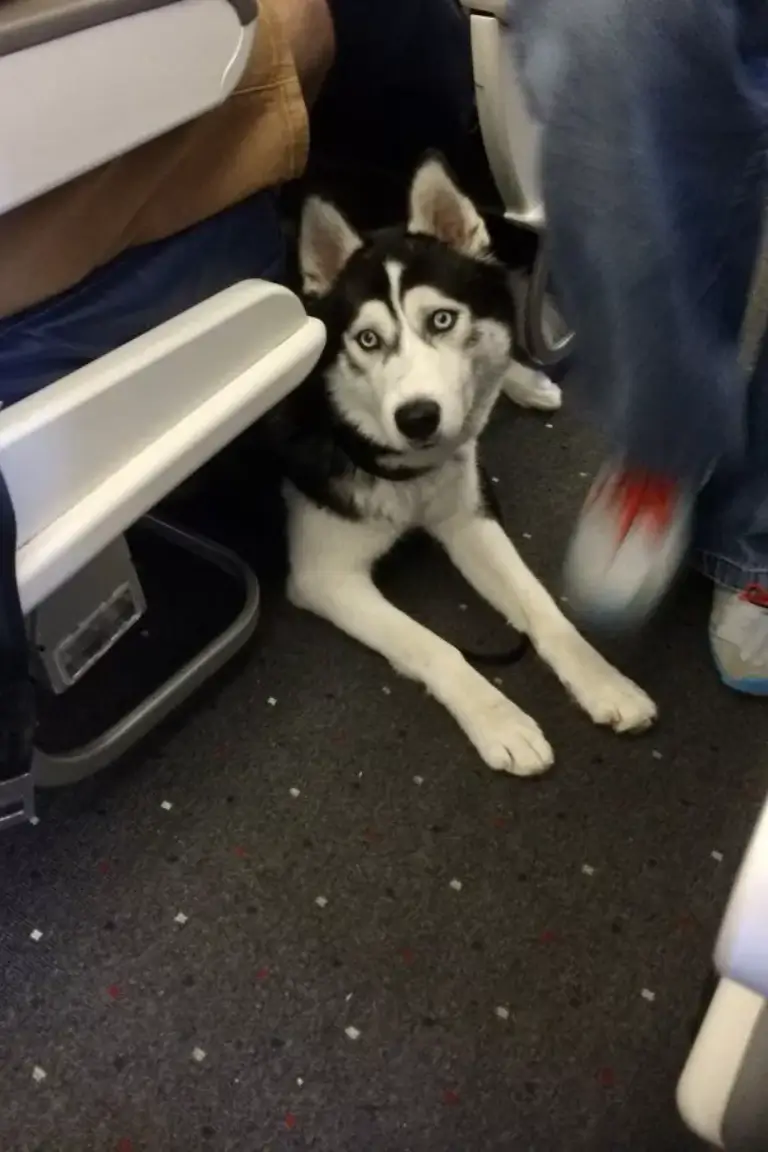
x=307, y=917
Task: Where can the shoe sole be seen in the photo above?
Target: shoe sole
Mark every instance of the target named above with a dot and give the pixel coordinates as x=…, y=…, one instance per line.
x=747, y=685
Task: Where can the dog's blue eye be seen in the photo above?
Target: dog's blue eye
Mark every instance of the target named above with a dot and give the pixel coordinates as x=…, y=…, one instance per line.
x=442, y=320
x=368, y=340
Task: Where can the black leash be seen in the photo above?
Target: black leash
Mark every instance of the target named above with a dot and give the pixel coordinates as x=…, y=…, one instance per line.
x=511, y=655
x=498, y=659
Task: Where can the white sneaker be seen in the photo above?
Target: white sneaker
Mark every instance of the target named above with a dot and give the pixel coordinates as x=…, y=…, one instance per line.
x=738, y=638
x=632, y=536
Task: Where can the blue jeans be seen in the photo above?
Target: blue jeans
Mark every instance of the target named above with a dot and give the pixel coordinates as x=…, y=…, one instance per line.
x=654, y=119
x=137, y=291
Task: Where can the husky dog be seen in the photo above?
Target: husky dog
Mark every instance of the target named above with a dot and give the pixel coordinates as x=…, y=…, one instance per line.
x=382, y=439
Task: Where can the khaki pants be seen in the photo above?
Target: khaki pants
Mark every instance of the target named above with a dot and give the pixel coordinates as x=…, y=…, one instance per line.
x=256, y=139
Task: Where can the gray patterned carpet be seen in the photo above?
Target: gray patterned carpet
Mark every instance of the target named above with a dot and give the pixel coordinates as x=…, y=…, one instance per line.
x=329, y=987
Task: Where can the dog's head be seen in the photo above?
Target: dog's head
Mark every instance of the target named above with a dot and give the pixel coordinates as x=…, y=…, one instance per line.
x=420, y=320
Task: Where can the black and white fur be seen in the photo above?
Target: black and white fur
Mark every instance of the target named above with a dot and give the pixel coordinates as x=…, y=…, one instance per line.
x=421, y=317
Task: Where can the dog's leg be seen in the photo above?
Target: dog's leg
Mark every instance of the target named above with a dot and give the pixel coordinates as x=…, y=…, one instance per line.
x=331, y=562
x=486, y=557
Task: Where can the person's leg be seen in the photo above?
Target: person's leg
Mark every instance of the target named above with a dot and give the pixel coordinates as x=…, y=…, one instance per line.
x=654, y=123
x=731, y=542
x=136, y=292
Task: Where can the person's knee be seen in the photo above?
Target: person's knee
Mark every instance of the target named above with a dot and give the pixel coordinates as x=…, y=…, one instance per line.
x=310, y=32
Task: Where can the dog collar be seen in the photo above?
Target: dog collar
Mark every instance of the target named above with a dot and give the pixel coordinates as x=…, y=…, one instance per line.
x=376, y=459
x=424, y=460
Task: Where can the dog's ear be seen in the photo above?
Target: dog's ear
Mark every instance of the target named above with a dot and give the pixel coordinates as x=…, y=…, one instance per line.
x=326, y=242
x=438, y=208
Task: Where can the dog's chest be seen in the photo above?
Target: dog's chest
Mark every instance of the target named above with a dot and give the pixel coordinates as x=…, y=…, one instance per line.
x=410, y=503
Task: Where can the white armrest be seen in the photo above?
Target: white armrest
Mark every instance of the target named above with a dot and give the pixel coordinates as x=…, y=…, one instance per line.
x=742, y=948
x=74, y=100
x=89, y=455
x=716, y=1094
x=716, y=1060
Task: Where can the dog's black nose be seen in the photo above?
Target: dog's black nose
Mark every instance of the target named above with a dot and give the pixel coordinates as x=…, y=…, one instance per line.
x=418, y=419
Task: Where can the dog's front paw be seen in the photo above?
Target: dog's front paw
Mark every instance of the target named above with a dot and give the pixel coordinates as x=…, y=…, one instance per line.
x=612, y=699
x=507, y=739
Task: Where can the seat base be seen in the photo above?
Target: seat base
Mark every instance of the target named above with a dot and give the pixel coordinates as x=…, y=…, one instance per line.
x=56, y=766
